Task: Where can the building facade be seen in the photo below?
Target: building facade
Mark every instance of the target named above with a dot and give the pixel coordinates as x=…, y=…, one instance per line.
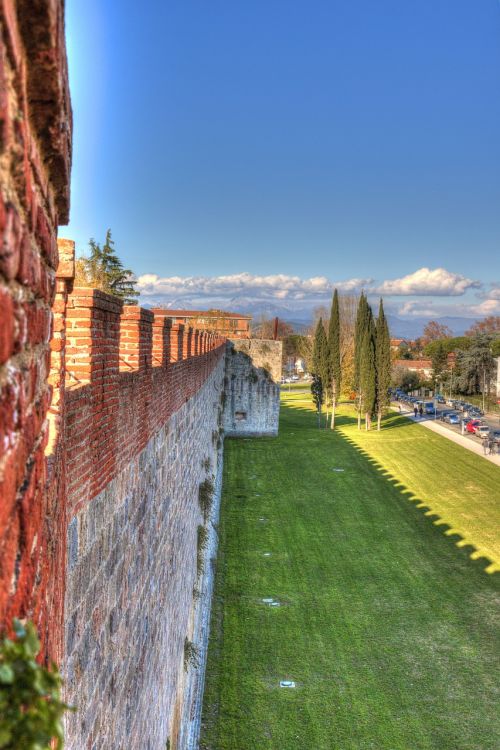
x=228, y=324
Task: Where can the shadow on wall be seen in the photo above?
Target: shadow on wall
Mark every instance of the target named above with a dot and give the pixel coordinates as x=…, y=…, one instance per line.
x=423, y=508
x=251, y=391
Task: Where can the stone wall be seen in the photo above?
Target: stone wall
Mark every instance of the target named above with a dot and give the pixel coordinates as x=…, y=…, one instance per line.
x=35, y=158
x=132, y=570
x=253, y=373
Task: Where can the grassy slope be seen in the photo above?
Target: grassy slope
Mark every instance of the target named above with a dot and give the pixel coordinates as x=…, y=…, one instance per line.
x=387, y=627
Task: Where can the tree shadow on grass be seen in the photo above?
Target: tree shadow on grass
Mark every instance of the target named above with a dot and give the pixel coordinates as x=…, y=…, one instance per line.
x=390, y=422
x=463, y=546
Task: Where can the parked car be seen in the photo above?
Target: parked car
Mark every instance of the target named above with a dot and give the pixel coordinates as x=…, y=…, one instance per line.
x=482, y=431
x=471, y=426
x=453, y=418
x=429, y=407
x=495, y=435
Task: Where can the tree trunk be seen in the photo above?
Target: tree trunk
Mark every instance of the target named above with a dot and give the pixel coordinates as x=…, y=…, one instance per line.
x=379, y=420
x=334, y=404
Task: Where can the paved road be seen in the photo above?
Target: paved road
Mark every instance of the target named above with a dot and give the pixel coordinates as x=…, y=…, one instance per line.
x=491, y=420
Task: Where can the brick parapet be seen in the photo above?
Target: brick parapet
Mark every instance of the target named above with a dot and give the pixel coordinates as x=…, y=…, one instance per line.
x=162, y=336
x=177, y=342
x=118, y=395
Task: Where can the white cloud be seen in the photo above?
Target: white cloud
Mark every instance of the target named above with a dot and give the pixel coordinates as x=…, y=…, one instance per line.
x=488, y=307
x=426, y=281
x=283, y=291
x=428, y=309
x=492, y=293
x=417, y=309
x=273, y=286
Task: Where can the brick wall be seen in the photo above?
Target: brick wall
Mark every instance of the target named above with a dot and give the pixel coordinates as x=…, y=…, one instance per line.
x=124, y=379
x=35, y=150
x=108, y=414
x=141, y=405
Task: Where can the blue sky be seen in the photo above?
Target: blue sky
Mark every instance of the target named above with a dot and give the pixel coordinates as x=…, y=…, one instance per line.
x=275, y=141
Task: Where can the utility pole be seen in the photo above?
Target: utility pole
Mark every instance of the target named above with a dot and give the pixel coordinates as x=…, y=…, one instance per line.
x=484, y=382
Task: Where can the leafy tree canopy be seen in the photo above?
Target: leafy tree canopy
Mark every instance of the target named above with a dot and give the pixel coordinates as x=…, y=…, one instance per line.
x=104, y=270
x=30, y=705
x=477, y=365
x=449, y=345
x=404, y=378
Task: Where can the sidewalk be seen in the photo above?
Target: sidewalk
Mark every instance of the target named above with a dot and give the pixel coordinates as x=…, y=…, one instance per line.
x=456, y=437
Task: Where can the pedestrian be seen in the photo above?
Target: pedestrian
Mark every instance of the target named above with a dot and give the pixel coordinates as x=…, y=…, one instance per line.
x=399, y=407
x=421, y=411
x=415, y=410
x=485, y=446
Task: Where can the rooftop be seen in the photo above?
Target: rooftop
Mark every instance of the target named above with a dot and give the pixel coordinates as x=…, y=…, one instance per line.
x=204, y=313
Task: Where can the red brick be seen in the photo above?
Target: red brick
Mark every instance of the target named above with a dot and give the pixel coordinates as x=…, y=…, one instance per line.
x=4, y=101
x=11, y=243
x=7, y=326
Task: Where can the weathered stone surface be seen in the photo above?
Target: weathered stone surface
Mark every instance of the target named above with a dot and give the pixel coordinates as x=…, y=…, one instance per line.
x=253, y=370
x=129, y=592
x=35, y=159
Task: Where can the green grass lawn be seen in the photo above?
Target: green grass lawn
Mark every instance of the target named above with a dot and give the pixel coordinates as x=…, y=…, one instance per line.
x=386, y=625
x=300, y=386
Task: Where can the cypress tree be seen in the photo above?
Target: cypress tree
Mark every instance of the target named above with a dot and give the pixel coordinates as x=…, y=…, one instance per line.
x=364, y=322
x=320, y=357
x=317, y=393
x=335, y=373
x=358, y=337
x=382, y=363
x=367, y=376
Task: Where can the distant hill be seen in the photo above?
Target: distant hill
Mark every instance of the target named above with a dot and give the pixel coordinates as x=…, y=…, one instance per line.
x=300, y=317
x=413, y=327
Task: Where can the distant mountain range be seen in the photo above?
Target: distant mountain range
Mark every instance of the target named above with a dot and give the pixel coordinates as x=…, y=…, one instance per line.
x=405, y=328
x=301, y=317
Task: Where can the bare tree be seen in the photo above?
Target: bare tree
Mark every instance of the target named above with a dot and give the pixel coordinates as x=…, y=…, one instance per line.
x=264, y=328
x=434, y=331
